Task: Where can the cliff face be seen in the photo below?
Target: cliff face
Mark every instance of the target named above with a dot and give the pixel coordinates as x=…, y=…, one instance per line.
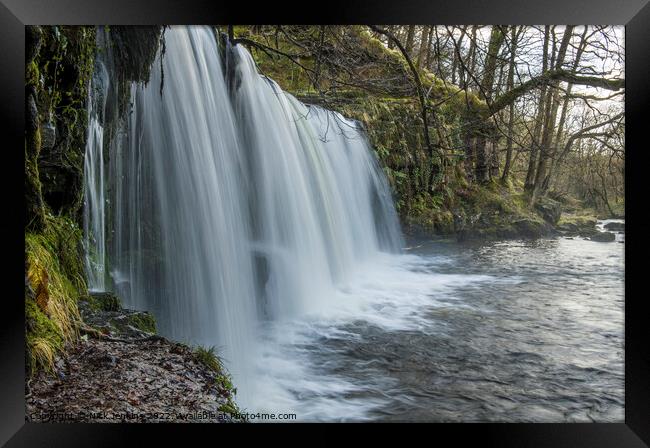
x=60, y=61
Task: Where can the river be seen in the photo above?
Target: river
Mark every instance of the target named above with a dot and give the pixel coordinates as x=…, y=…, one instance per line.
x=507, y=331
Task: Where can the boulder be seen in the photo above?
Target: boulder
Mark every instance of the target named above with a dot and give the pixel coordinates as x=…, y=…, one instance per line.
x=550, y=210
x=104, y=301
x=529, y=228
x=616, y=226
x=603, y=237
x=577, y=225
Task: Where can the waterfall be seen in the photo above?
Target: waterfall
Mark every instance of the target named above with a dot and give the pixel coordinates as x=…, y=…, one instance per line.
x=311, y=180
x=232, y=203
x=94, y=189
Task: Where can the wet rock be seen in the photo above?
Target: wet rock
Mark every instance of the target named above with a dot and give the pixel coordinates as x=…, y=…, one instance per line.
x=31, y=110
x=104, y=301
x=530, y=228
x=615, y=226
x=48, y=135
x=33, y=41
x=603, y=237
x=584, y=226
x=109, y=381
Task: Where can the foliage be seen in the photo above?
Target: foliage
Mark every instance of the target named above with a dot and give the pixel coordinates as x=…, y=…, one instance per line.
x=143, y=321
x=54, y=282
x=209, y=359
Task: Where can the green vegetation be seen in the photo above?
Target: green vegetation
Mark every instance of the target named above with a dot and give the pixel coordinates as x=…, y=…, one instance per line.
x=54, y=282
x=60, y=62
x=57, y=80
x=223, y=381
x=104, y=301
x=143, y=321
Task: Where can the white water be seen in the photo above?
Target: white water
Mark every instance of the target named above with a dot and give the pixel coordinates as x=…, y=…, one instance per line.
x=235, y=206
x=94, y=205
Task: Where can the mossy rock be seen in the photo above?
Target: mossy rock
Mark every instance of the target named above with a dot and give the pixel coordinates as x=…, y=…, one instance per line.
x=103, y=301
x=615, y=226
x=143, y=320
x=550, y=210
x=572, y=224
x=530, y=228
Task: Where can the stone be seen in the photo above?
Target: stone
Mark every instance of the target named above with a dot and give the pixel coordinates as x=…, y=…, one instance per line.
x=529, y=228
x=104, y=301
x=616, y=226
x=48, y=135
x=550, y=210
x=603, y=237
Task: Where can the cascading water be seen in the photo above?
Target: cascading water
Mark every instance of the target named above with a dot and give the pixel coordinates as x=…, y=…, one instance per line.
x=233, y=204
x=181, y=245
x=94, y=190
x=310, y=180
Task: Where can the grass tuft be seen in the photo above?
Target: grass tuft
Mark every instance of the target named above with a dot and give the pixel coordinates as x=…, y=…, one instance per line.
x=54, y=282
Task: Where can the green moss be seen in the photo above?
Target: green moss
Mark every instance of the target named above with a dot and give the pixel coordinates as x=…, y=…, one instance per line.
x=229, y=408
x=143, y=321
x=32, y=74
x=62, y=238
x=104, y=301
x=55, y=282
x=578, y=220
x=59, y=76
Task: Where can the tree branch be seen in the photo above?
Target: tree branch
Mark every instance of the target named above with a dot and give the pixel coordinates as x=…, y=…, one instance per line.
x=546, y=79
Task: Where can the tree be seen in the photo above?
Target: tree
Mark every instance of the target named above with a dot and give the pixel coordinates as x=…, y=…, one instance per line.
x=511, y=108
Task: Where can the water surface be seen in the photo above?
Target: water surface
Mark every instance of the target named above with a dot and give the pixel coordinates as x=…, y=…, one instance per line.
x=501, y=331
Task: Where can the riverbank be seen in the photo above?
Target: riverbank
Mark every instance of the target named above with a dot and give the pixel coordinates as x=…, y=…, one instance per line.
x=120, y=370
x=498, y=211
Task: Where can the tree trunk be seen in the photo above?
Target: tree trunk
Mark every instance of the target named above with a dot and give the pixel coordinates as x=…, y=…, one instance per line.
x=420, y=92
x=534, y=144
x=551, y=117
x=455, y=62
x=390, y=43
x=424, y=46
x=563, y=114
x=511, y=111
x=428, y=61
x=472, y=53
x=409, y=39
x=485, y=146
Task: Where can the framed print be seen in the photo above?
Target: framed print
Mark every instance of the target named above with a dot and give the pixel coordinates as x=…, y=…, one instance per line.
x=370, y=213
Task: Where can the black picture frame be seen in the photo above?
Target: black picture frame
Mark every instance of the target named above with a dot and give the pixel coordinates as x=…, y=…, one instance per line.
x=15, y=14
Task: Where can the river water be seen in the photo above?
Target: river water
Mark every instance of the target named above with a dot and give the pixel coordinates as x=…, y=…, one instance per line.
x=511, y=331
